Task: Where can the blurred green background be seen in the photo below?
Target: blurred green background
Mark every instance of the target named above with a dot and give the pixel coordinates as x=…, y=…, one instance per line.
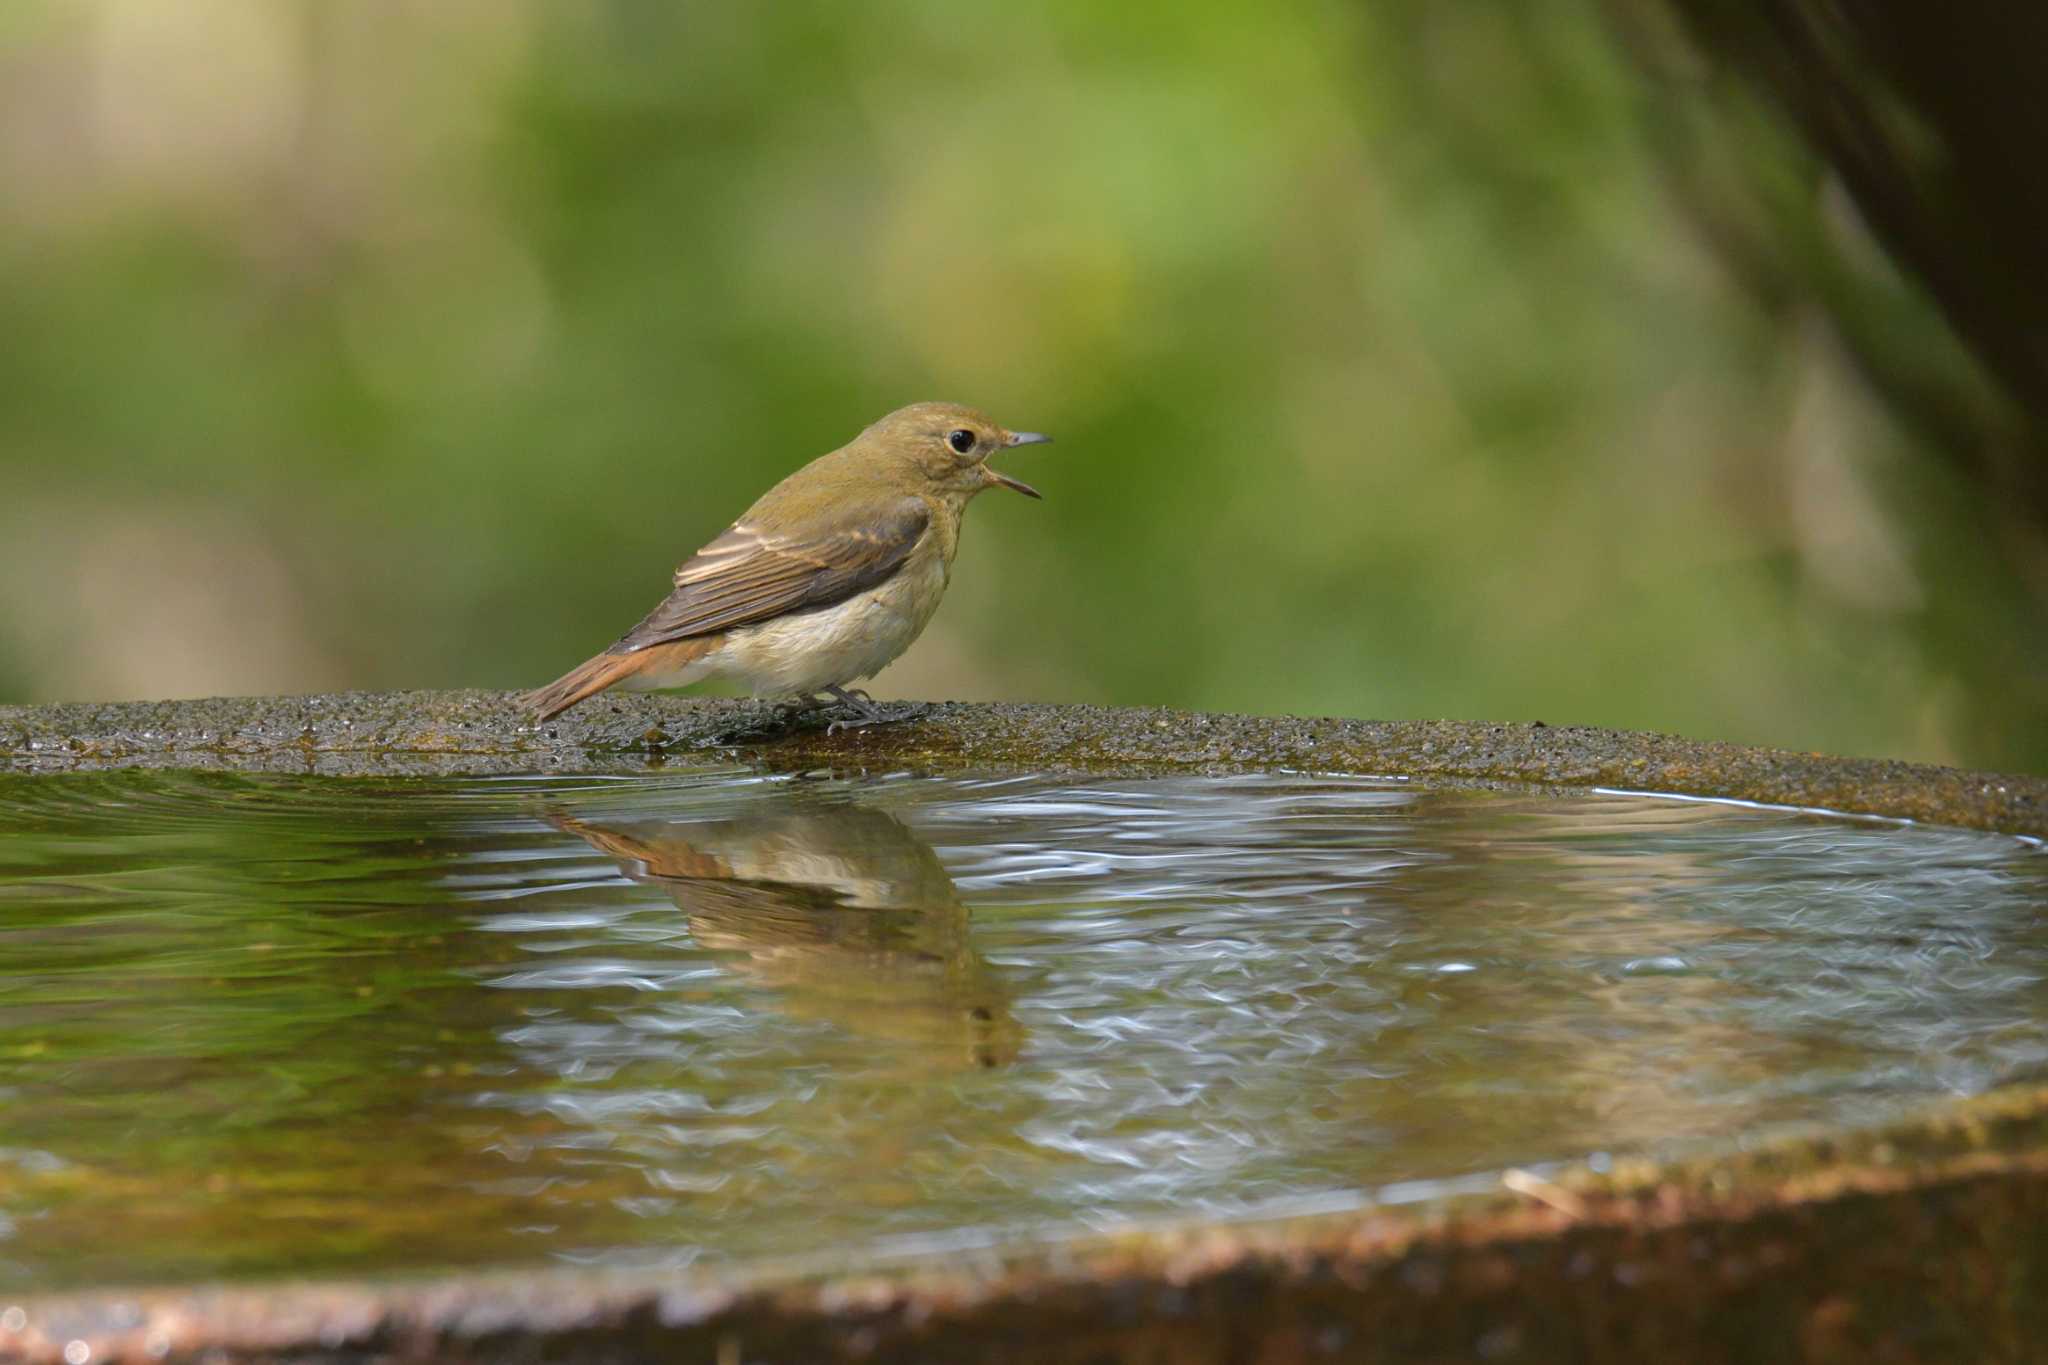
x=1399, y=358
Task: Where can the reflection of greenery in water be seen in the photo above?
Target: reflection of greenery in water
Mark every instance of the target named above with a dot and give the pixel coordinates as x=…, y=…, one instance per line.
x=266, y=1025
x=412, y=348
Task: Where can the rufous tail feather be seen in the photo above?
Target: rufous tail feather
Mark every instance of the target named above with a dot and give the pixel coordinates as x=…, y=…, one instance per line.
x=593, y=676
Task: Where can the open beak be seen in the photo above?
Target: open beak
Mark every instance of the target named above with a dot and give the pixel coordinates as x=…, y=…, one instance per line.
x=1021, y=438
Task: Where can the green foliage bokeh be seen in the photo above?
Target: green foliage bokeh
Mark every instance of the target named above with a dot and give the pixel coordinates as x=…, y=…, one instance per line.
x=411, y=345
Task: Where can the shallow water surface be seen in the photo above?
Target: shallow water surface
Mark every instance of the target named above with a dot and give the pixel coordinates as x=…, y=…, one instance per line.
x=263, y=1025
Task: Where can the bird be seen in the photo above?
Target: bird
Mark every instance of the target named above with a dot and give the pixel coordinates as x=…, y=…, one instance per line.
x=826, y=579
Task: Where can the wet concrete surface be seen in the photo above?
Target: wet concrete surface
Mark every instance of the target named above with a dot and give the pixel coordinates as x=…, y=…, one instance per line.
x=1921, y=1242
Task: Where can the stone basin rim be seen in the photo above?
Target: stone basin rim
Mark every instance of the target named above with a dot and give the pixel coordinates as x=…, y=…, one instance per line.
x=1750, y=1203
x=479, y=733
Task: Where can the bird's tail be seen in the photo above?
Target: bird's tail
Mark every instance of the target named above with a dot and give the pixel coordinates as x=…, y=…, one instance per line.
x=593, y=676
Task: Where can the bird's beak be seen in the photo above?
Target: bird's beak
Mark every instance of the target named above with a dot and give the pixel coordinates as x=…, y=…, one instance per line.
x=1021, y=438
x=1022, y=487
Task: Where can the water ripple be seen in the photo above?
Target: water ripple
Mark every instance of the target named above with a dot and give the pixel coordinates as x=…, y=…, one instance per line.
x=716, y=1014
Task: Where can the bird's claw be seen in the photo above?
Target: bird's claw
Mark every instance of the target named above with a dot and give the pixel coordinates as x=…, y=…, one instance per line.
x=867, y=713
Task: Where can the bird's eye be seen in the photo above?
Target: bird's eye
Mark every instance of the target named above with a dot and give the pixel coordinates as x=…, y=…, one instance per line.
x=961, y=439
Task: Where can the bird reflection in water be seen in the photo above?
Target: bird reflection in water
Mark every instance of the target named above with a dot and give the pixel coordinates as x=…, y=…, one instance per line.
x=838, y=906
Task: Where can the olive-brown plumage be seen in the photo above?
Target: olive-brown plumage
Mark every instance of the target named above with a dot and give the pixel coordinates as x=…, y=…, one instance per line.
x=823, y=581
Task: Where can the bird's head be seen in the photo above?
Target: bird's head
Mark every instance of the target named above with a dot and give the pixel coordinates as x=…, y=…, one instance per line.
x=945, y=448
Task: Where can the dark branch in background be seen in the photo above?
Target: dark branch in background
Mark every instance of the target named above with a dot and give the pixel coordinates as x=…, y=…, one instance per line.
x=1935, y=120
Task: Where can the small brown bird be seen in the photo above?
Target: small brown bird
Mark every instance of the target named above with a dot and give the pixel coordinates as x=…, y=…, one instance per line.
x=826, y=579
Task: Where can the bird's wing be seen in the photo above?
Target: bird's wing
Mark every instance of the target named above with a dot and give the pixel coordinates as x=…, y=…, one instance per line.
x=751, y=574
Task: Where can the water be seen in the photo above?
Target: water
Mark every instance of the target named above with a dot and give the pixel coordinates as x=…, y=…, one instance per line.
x=266, y=1025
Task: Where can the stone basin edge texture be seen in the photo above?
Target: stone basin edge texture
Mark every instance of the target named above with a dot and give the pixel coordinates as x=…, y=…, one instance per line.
x=1923, y=1241
x=386, y=733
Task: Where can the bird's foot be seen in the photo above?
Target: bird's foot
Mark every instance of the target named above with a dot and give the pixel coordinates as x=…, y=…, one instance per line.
x=866, y=712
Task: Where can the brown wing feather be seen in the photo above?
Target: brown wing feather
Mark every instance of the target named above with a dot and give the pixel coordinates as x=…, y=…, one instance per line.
x=748, y=574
